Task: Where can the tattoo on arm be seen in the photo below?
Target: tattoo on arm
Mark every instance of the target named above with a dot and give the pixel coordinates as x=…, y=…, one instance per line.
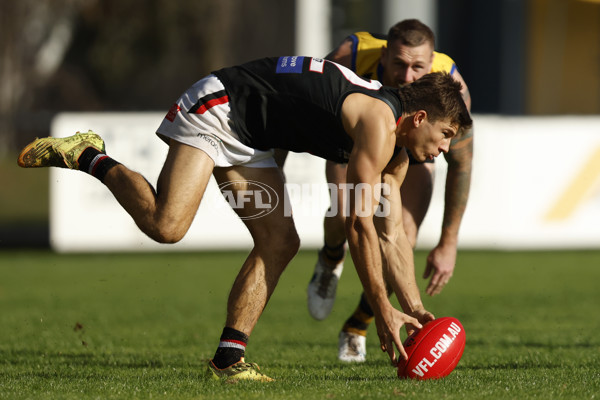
x=458, y=181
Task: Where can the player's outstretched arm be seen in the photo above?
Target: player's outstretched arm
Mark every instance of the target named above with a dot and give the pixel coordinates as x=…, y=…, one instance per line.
x=371, y=125
x=398, y=260
x=441, y=260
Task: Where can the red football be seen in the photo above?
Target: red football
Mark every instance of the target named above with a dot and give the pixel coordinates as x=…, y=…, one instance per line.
x=434, y=351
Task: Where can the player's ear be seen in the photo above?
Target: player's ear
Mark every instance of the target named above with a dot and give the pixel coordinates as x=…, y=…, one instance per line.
x=384, y=51
x=419, y=117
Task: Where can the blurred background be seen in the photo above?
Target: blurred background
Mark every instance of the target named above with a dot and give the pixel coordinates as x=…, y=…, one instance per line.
x=519, y=57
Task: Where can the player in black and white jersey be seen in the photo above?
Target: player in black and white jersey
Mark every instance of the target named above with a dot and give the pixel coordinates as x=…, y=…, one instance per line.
x=226, y=125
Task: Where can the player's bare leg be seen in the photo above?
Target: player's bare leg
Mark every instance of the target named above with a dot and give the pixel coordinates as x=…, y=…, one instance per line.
x=166, y=214
x=330, y=263
x=276, y=242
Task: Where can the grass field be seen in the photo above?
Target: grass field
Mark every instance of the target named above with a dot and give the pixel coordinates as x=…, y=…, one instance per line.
x=113, y=326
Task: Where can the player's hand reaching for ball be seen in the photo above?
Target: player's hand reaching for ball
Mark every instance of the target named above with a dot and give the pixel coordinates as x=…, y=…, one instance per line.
x=389, y=322
x=422, y=315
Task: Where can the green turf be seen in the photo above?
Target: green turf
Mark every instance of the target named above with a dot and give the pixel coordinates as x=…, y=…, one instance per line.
x=140, y=325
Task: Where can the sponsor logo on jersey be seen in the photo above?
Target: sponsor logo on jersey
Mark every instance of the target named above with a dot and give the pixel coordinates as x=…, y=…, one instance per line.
x=317, y=65
x=289, y=65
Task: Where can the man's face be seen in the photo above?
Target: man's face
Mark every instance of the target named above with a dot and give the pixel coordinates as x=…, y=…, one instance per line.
x=403, y=64
x=427, y=140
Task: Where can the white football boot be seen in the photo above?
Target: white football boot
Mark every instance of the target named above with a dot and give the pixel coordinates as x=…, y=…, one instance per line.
x=322, y=287
x=352, y=347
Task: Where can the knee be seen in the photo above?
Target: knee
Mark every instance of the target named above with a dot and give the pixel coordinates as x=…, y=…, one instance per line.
x=167, y=233
x=281, y=243
x=288, y=243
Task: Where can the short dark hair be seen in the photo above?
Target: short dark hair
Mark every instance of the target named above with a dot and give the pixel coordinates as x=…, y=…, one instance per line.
x=411, y=32
x=439, y=95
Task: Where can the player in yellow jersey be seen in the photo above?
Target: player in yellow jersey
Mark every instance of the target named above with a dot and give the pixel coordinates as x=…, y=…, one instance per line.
x=403, y=56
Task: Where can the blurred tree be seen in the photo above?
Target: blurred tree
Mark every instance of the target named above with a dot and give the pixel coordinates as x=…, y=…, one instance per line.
x=98, y=55
x=35, y=35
